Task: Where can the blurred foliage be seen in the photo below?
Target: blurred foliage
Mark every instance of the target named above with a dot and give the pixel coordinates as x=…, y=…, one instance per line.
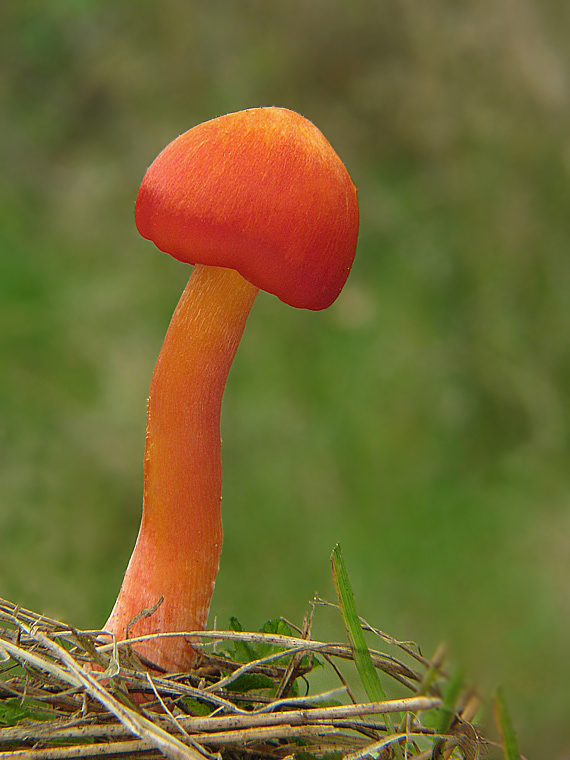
x=423, y=420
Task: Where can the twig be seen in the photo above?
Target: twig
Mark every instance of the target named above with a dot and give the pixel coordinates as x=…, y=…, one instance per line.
x=154, y=736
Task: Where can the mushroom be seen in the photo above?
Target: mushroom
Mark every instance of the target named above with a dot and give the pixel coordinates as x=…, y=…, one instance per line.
x=254, y=200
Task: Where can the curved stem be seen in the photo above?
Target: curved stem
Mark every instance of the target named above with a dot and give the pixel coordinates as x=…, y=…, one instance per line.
x=176, y=556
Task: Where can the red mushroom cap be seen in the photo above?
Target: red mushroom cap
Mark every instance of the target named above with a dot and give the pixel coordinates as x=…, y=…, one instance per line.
x=259, y=191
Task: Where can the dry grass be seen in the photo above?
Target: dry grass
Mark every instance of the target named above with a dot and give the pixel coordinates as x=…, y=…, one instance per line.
x=65, y=693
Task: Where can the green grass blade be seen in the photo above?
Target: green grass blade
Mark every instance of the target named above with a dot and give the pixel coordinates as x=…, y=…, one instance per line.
x=362, y=659
x=505, y=725
x=450, y=699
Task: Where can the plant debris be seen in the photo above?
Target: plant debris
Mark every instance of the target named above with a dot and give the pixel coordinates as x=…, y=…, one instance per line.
x=66, y=693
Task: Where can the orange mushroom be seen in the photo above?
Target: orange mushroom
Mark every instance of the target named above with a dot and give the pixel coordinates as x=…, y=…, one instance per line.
x=255, y=200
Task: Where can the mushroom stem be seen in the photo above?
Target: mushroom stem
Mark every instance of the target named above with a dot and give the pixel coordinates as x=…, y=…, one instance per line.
x=176, y=556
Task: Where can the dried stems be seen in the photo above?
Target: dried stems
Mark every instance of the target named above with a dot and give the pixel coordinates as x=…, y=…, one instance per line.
x=70, y=694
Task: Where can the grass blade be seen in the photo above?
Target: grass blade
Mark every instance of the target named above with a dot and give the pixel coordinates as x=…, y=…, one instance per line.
x=450, y=699
x=362, y=659
x=505, y=725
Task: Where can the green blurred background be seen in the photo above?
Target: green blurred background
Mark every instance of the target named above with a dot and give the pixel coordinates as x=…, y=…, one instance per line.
x=423, y=420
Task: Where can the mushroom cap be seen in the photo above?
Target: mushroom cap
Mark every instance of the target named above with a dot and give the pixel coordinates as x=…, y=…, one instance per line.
x=260, y=191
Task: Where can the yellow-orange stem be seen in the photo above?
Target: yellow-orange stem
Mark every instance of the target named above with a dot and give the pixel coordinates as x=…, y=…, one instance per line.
x=177, y=552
